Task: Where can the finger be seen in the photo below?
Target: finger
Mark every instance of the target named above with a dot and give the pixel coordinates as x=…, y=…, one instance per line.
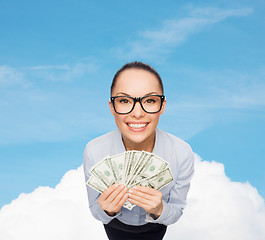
x=115, y=193
x=140, y=197
x=138, y=203
x=146, y=190
x=149, y=206
x=109, y=191
x=120, y=200
x=119, y=196
x=107, y=203
x=124, y=199
x=144, y=195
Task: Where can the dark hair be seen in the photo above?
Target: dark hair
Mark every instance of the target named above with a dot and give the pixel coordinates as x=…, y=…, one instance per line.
x=136, y=65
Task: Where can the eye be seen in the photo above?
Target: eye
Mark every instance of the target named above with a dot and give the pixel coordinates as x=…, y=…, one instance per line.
x=124, y=100
x=150, y=100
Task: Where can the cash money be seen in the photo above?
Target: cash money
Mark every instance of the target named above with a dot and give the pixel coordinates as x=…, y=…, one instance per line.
x=130, y=168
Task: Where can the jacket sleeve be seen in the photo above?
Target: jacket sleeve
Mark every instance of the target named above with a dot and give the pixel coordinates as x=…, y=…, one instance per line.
x=176, y=202
x=92, y=194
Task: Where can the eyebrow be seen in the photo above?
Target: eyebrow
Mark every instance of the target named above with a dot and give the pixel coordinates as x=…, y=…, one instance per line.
x=126, y=94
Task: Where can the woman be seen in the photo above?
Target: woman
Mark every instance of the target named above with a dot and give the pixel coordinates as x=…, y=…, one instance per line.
x=137, y=101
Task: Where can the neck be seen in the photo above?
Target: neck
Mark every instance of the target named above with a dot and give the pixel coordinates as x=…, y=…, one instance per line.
x=147, y=145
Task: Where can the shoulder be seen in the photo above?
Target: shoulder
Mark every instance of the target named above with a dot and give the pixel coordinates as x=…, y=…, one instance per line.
x=102, y=142
x=103, y=139
x=100, y=147
x=171, y=141
x=177, y=153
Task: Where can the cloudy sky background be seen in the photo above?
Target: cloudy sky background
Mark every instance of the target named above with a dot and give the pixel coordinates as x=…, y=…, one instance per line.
x=56, y=64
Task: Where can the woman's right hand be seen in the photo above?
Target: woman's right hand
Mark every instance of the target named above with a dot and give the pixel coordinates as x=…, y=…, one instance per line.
x=113, y=198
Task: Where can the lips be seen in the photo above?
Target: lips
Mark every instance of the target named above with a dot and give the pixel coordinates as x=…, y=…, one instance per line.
x=133, y=125
x=137, y=125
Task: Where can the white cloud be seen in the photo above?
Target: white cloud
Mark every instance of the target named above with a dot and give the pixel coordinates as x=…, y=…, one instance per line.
x=10, y=77
x=217, y=209
x=64, y=72
x=47, y=213
x=173, y=32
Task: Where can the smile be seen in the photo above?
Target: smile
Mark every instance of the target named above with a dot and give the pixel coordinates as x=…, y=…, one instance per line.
x=137, y=125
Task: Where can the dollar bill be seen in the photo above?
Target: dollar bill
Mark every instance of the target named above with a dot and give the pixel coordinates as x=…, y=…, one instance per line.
x=117, y=165
x=95, y=183
x=104, y=172
x=126, y=160
x=134, y=159
x=130, y=168
x=157, y=181
x=152, y=166
x=128, y=205
x=144, y=157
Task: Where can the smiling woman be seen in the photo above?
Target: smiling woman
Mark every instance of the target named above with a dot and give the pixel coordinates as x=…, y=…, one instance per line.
x=137, y=101
x=137, y=126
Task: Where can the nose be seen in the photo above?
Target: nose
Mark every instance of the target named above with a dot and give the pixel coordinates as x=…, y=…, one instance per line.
x=137, y=112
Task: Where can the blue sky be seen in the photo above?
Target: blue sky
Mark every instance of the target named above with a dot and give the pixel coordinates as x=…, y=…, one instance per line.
x=57, y=59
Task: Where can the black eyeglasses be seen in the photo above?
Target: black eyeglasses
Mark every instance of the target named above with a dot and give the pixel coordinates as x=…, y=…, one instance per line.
x=149, y=103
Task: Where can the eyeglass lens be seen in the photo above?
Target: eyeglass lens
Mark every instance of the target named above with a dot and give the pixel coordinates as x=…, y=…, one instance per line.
x=150, y=104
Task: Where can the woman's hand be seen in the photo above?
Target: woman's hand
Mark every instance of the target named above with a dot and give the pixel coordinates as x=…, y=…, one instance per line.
x=113, y=198
x=148, y=198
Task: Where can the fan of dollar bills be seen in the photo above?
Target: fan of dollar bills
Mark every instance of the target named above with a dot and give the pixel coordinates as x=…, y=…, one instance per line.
x=130, y=168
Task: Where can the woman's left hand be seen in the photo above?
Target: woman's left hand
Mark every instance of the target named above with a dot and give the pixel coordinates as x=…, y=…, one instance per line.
x=148, y=198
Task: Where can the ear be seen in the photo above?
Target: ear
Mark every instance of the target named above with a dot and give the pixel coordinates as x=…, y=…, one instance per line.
x=163, y=107
x=111, y=108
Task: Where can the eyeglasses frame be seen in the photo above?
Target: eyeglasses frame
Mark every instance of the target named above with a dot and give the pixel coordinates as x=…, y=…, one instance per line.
x=138, y=99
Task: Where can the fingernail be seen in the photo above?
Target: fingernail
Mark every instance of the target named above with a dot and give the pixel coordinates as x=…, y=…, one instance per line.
x=135, y=187
x=131, y=191
x=122, y=186
x=116, y=185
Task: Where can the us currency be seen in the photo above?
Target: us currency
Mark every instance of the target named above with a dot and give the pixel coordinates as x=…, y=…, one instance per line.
x=135, y=156
x=117, y=165
x=157, y=181
x=129, y=205
x=96, y=183
x=126, y=162
x=130, y=168
x=104, y=172
x=153, y=166
x=144, y=157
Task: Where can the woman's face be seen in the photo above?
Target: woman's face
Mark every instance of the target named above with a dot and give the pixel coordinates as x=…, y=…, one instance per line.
x=137, y=127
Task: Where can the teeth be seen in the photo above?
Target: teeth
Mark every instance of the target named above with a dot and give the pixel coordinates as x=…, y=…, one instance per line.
x=137, y=125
